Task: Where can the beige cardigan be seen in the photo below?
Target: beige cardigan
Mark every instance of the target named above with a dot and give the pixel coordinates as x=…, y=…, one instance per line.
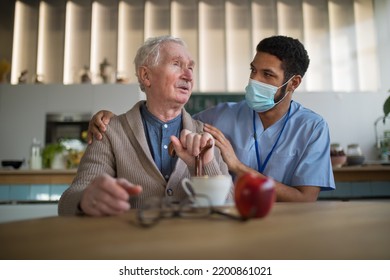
x=124, y=153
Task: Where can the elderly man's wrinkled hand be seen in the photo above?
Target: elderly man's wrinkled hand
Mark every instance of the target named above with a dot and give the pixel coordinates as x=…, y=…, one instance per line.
x=190, y=145
x=107, y=196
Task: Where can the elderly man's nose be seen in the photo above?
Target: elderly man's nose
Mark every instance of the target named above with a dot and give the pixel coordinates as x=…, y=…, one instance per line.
x=187, y=74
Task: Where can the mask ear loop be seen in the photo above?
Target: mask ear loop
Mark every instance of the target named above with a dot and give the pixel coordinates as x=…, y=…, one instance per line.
x=286, y=92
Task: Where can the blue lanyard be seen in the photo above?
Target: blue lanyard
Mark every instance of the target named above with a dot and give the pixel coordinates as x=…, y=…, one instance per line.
x=261, y=167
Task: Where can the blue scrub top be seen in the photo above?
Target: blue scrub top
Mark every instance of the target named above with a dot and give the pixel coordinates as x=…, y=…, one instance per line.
x=302, y=155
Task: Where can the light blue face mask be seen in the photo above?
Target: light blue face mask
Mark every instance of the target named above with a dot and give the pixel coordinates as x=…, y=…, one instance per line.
x=260, y=96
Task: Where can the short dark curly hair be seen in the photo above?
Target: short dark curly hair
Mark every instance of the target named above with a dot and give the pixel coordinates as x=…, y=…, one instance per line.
x=290, y=51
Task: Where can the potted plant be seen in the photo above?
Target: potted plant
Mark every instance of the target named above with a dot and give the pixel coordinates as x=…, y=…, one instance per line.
x=383, y=141
x=53, y=156
x=386, y=107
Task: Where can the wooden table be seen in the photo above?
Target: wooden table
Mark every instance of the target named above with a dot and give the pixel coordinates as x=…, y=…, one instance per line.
x=320, y=230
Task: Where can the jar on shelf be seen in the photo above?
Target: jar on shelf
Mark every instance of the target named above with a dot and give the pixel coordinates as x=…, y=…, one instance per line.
x=22, y=79
x=354, y=155
x=336, y=150
x=106, y=71
x=85, y=75
x=337, y=155
x=354, y=150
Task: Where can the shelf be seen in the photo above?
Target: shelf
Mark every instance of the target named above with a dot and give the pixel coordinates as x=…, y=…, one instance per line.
x=238, y=28
x=130, y=36
x=184, y=24
x=212, y=46
x=25, y=40
x=57, y=39
x=77, y=39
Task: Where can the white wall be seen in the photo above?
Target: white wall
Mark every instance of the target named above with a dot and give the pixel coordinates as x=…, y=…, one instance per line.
x=23, y=108
x=350, y=116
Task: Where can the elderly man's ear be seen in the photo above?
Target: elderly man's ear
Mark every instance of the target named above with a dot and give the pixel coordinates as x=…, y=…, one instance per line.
x=144, y=76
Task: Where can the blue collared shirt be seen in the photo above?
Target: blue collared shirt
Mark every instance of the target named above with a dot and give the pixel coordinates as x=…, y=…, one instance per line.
x=158, y=134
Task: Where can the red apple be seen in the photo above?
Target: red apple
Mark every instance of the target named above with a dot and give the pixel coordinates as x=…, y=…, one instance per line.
x=254, y=195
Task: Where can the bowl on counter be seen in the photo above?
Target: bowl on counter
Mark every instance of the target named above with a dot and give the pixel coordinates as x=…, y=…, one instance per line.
x=16, y=164
x=338, y=161
x=355, y=160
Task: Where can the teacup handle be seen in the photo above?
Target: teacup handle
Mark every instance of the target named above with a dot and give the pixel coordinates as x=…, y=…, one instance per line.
x=187, y=186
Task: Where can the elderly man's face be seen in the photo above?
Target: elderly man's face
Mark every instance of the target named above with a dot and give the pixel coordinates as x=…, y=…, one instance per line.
x=171, y=81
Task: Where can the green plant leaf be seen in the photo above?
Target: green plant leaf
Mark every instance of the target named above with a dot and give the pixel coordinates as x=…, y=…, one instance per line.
x=386, y=107
x=49, y=151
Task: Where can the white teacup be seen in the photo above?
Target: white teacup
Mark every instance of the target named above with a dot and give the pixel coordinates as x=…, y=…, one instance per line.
x=216, y=188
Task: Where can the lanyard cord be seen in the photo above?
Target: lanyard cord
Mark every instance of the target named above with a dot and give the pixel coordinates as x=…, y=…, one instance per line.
x=260, y=166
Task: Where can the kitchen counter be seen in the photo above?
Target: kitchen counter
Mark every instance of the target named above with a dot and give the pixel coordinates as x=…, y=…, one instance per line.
x=361, y=173
x=44, y=176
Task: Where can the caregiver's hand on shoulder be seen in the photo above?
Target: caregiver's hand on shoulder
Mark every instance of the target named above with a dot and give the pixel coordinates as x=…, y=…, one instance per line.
x=98, y=125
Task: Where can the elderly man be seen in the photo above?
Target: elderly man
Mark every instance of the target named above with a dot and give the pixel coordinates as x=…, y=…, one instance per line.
x=132, y=163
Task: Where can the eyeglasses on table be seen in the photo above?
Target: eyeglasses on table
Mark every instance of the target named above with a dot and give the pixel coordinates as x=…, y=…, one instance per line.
x=198, y=206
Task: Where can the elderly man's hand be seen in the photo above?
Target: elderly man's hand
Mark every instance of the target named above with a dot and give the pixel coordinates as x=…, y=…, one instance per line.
x=107, y=196
x=191, y=144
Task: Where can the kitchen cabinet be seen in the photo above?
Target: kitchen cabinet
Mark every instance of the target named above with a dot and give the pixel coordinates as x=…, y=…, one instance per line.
x=28, y=194
x=30, y=186
x=357, y=182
